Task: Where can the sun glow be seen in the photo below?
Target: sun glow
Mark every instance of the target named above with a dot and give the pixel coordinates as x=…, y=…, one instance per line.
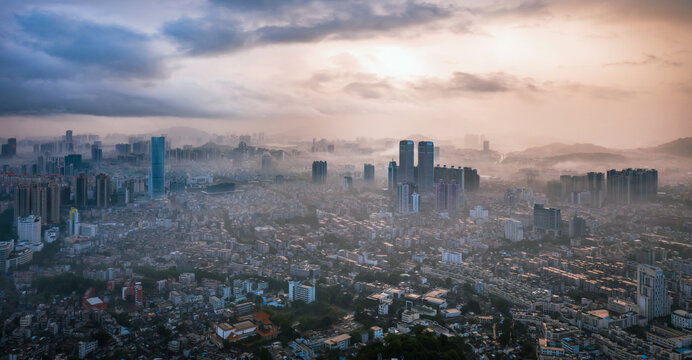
x=395, y=62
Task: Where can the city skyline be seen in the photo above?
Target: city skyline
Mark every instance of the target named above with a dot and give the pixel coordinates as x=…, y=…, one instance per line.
x=614, y=73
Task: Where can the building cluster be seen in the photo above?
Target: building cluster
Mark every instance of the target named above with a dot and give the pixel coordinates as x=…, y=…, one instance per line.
x=147, y=251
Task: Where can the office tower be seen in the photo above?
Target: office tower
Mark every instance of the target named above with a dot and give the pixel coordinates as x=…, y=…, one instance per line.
x=453, y=190
x=129, y=188
x=96, y=153
x=486, y=146
x=472, y=180
x=103, y=190
x=445, y=174
x=405, y=171
x=577, y=227
x=369, y=172
x=73, y=223
x=39, y=200
x=266, y=162
x=426, y=166
x=437, y=153
x=54, y=202
x=9, y=149
x=41, y=164
x=415, y=203
x=514, y=230
x=652, y=295
x=319, y=172
x=467, y=178
x=12, y=143
x=546, y=220
x=68, y=136
x=348, y=183
x=73, y=163
x=392, y=176
x=597, y=188
x=81, y=191
x=403, y=195
x=29, y=229
x=157, y=176
x=22, y=201
x=631, y=186
x=447, y=196
x=122, y=149
x=298, y=291
x=440, y=196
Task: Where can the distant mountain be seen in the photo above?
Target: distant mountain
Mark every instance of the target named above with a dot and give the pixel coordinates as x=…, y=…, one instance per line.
x=558, y=148
x=679, y=147
x=586, y=157
x=557, y=152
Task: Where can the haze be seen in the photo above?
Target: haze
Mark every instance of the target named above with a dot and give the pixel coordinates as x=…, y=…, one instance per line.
x=614, y=73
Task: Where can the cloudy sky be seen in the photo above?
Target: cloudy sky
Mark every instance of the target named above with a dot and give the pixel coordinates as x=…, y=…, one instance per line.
x=616, y=72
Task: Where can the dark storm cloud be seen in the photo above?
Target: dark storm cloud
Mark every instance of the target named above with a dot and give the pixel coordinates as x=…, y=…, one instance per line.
x=69, y=97
x=112, y=50
x=289, y=23
x=54, y=63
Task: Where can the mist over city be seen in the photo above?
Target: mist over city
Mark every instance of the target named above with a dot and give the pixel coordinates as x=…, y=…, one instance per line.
x=314, y=179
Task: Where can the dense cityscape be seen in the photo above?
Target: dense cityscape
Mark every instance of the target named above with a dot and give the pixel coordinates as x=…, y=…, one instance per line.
x=346, y=180
x=238, y=247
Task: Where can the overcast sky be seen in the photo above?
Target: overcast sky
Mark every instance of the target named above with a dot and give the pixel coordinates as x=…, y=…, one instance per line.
x=614, y=72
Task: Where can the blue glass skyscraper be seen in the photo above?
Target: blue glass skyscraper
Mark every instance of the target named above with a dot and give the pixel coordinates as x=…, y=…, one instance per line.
x=157, y=176
x=405, y=173
x=426, y=157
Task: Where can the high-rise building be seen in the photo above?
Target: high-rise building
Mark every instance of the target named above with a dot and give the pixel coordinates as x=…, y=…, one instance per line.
x=652, y=295
x=73, y=163
x=405, y=171
x=266, y=162
x=632, y=186
x=486, y=146
x=157, y=176
x=392, y=176
x=447, y=197
x=103, y=190
x=54, y=202
x=514, y=230
x=403, y=195
x=472, y=180
x=369, y=172
x=467, y=178
x=597, y=188
x=81, y=191
x=546, y=220
x=129, y=188
x=9, y=149
x=73, y=222
x=302, y=292
x=348, y=183
x=319, y=172
x=68, y=136
x=415, y=203
x=29, y=229
x=96, y=153
x=426, y=166
x=577, y=227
